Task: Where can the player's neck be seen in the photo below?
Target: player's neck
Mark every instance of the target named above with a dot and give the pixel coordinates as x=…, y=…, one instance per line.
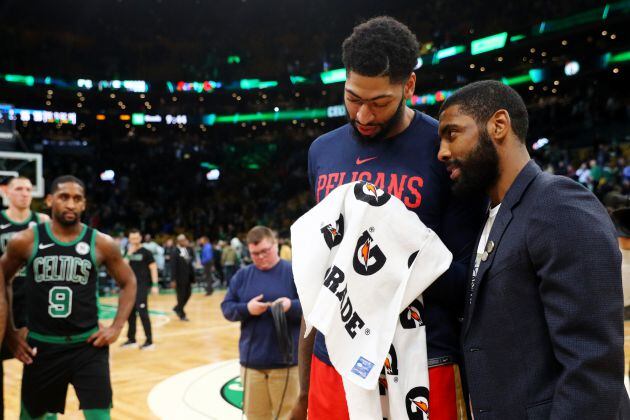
x=65, y=233
x=134, y=248
x=405, y=122
x=18, y=215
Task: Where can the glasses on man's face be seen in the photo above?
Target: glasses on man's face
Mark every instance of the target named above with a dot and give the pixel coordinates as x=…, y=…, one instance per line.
x=262, y=252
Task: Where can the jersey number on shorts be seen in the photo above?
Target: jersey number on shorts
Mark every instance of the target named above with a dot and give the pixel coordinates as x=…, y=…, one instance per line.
x=60, y=302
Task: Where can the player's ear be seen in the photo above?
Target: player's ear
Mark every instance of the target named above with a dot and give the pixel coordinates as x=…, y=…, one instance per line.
x=48, y=200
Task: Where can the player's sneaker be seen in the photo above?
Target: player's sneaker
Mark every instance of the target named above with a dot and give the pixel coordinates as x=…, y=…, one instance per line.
x=129, y=344
x=148, y=345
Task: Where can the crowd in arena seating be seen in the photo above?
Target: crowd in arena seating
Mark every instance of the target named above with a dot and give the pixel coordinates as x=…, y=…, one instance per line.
x=271, y=39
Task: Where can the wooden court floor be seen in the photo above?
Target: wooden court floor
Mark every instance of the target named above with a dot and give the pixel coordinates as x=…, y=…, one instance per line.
x=207, y=338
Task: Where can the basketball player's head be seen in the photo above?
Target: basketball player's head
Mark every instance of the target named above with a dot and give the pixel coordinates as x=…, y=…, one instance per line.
x=19, y=192
x=479, y=124
x=135, y=237
x=379, y=57
x=66, y=200
x=263, y=247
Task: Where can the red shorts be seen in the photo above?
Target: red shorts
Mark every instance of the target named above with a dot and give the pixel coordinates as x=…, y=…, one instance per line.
x=327, y=398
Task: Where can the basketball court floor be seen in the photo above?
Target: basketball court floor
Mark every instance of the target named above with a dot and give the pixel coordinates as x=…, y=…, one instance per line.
x=192, y=374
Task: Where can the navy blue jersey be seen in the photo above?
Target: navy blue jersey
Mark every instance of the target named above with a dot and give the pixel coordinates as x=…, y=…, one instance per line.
x=406, y=166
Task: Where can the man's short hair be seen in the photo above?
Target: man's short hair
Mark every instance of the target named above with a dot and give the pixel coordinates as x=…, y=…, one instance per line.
x=15, y=178
x=259, y=233
x=480, y=100
x=65, y=179
x=381, y=47
x=134, y=230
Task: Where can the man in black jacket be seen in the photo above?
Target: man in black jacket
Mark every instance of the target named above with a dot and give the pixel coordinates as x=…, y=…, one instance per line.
x=182, y=273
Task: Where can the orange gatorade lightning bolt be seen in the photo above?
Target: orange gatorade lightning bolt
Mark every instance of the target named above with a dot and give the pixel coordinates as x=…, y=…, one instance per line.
x=365, y=252
x=372, y=189
x=421, y=405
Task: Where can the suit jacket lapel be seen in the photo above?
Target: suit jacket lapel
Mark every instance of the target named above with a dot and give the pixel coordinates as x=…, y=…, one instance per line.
x=511, y=199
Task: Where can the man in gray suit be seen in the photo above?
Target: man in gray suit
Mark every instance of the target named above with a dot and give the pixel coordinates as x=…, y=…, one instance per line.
x=543, y=326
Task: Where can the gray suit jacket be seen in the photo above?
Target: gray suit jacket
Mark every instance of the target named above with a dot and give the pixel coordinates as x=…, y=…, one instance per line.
x=543, y=327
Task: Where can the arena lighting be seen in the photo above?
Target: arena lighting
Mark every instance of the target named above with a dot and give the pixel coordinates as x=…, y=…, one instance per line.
x=108, y=175
x=205, y=86
x=209, y=166
x=419, y=63
x=41, y=116
x=213, y=175
x=137, y=119
x=571, y=68
x=85, y=84
x=20, y=79
x=333, y=76
x=125, y=117
x=537, y=75
x=336, y=111
x=619, y=57
x=516, y=38
x=233, y=59
x=176, y=119
x=589, y=16
x=137, y=86
x=100, y=117
x=447, y=52
x=152, y=119
x=429, y=98
x=540, y=143
x=516, y=80
x=247, y=84
x=489, y=43
x=297, y=80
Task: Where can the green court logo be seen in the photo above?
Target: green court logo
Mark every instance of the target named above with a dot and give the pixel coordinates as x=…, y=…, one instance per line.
x=232, y=392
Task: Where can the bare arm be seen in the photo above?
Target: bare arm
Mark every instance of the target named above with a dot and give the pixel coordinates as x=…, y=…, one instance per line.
x=153, y=268
x=109, y=255
x=4, y=310
x=305, y=353
x=18, y=252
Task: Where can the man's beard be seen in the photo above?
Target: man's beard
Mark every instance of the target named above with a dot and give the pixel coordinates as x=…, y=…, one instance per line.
x=479, y=170
x=68, y=223
x=385, y=127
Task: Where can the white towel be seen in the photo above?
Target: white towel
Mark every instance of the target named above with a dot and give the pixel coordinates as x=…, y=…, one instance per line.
x=360, y=262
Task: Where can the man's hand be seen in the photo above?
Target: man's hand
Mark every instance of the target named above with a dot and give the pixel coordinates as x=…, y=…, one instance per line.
x=286, y=303
x=16, y=342
x=300, y=408
x=104, y=336
x=155, y=291
x=256, y=307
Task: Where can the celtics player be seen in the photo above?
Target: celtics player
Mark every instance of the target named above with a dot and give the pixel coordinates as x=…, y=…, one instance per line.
x=65, y=343
x=17, y=217
x=145, y=268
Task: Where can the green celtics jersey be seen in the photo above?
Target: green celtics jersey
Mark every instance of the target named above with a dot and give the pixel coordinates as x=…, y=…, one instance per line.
x=62, y=284
x=8, y=229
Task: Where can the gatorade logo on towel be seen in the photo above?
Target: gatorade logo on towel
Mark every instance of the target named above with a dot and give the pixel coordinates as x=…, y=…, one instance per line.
x=368, y=257
x=364, y=191
x=333, y=234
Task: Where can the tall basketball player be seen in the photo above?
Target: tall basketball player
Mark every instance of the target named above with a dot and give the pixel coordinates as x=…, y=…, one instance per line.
x=66, y=344
x=17, y=217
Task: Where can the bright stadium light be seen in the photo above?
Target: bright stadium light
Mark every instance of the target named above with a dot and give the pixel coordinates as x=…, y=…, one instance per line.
x=213, y=175
x=540, y=143
x=572, y=68
x=108, y=175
